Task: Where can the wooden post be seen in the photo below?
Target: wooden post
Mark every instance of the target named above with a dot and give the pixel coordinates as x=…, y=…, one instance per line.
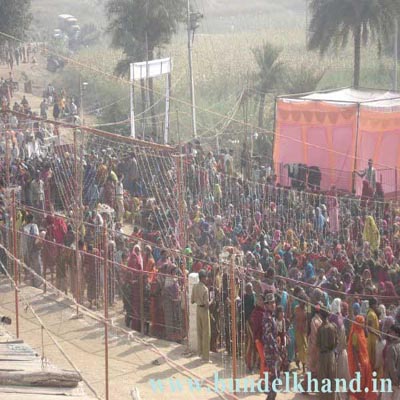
x=233, y=318
x=182, y=240
x=105, y=279
x=7, y=160
x=141, y=293
x=77, y=213
x=16, y=280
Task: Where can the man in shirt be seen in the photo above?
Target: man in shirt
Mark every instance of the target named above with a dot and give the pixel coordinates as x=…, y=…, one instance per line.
x=119, y=199
x=392, y=358
x=200, y=296
x=326, y=345
x=271, y=349
x=369, y=174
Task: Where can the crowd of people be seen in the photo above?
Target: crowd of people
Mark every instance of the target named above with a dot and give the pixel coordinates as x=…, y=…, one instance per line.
x=316, y=281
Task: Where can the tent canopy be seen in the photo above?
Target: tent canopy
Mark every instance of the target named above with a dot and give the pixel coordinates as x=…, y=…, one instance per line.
x=338, y=131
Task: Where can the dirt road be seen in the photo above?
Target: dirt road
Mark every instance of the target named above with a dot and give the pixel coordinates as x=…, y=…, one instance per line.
x=131, y=363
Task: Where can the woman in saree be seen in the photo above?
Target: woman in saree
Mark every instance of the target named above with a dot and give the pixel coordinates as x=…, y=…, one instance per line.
x=359, y=360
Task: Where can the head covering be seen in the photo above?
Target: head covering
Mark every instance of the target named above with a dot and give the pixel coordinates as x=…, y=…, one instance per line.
x=336, y=319
x=388, y=322
x=269, y=298
x=357, y=333
x=336, y=306
x=202, y=273
x=356, y=309
x=371, y=233
x=382, y=310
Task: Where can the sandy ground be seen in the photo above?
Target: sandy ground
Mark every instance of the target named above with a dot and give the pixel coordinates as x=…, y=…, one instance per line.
x=130, y=362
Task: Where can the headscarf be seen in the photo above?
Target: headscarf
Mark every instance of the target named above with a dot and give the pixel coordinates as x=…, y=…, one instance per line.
x=336, y=306
x=388, y=322
x=382, y=310
x=366, y=274
x=309, y=271
x=357, y=329
x=337, y=320
x=356, y=309
x=371, y=233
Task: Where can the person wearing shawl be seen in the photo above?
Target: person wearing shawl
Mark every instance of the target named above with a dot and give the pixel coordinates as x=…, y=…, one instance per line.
x=333, y=210
x=341, y=349
x=255, y=333
x=371, y=233
x=347, y=282
x=135, y=264
x=282, y=269
x=300, y=324
x=392, y=362
x=319, y=221
x=359, y=360
x=372, y=323
x=312, y=350
x=309, y=272
x=327, y=340
x=277, y=239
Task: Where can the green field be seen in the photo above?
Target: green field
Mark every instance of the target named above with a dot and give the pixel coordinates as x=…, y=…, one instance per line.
x=223, y=61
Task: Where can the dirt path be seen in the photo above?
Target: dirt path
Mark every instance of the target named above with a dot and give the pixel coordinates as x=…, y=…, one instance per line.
x=131, y=363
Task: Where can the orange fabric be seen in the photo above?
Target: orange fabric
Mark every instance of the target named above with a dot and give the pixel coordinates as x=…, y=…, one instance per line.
x=372, y=121
x=260, y=350
x=305, y=144
x=357, y=329
x=314, y=113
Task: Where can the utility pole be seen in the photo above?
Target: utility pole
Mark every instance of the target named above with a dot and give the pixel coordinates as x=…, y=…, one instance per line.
x=192, y=25
x=82, y=87
x=395, y=55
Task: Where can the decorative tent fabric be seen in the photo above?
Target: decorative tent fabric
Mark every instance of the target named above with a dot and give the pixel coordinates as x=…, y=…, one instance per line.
x=338, y=132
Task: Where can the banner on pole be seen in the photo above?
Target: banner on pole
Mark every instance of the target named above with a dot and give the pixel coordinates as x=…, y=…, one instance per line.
x=151, y=69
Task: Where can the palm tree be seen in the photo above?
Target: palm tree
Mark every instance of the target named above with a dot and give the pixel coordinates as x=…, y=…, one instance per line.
x=303, y=79
x=269, y=74
x=333, y=22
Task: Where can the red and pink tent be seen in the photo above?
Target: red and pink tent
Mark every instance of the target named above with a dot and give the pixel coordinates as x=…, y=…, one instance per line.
x=338, y=131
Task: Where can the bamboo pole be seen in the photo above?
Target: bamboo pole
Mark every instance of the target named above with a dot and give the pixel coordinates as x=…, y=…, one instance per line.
x=182, y=241
x=77, y=225
x=16, y=280
x=105, y=280
x=233, y=318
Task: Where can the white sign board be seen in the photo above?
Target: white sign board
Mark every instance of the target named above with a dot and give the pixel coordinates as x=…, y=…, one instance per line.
x=151, y=69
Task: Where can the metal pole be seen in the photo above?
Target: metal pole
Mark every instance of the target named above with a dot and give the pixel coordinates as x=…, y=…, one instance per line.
x=147, y=84
x=77, y=225
x=182, y=238
x=191, y=86
x=167, y=104
x=81, y=99
x=105, y=295
x=395, y=54
x=7, y=160
x=132, y=76
x=233, y=318
x=16, y=273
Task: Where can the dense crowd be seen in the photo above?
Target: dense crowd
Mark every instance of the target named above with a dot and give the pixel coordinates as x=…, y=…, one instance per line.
x=316, y=278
